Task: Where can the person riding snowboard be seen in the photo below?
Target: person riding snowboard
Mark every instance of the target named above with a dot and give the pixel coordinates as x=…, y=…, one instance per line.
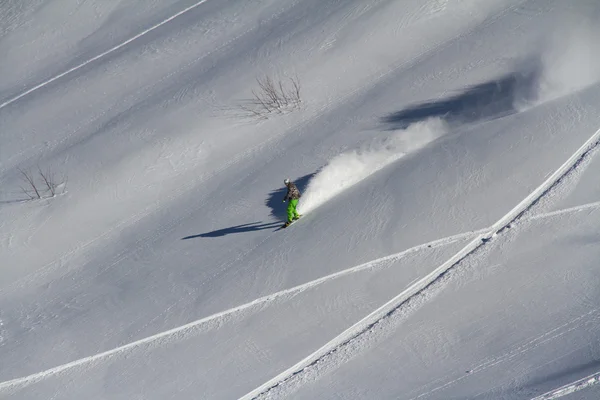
x=293, y=195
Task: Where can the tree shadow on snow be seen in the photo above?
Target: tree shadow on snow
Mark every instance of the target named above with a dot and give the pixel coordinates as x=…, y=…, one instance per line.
x=275, y=199
x=254, y=226
x=486, y=101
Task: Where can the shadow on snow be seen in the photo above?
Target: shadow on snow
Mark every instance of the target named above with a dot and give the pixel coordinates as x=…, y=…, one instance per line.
x=253, y=226
x=274, y=202
x=567, y=374
x=486, y=101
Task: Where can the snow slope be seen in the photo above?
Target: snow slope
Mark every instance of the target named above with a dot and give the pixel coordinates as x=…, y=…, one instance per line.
x=447, y=155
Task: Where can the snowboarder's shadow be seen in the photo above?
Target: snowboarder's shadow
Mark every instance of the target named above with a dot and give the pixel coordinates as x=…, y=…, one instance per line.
x=253, y=226
x=274, y=202
x=275, y=199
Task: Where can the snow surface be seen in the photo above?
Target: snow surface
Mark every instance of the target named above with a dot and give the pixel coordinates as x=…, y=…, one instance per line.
x=447, y=155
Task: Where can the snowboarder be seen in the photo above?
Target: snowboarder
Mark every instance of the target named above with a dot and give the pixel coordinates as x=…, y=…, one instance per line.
x=293, y=195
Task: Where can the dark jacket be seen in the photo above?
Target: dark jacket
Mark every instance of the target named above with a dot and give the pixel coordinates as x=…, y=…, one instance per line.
x=292, y=193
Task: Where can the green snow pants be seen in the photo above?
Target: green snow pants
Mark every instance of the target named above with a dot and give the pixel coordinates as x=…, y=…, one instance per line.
x=291, y=209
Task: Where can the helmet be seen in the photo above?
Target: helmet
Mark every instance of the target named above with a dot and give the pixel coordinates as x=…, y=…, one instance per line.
x=286, y=180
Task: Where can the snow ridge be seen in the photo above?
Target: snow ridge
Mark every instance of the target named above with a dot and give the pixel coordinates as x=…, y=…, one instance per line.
x=385, y=310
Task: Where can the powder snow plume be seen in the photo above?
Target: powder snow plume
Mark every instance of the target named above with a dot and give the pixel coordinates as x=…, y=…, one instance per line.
x=351, y=167
x=568, y=62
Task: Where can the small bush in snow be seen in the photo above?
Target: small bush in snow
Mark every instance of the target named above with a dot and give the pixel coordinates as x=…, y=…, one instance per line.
x=273, y=97
x=45, y=185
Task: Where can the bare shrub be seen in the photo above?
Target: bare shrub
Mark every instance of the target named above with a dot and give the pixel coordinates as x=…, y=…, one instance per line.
x=29, y=186
x=46, y=184
x=273, y=97
x=50, y=182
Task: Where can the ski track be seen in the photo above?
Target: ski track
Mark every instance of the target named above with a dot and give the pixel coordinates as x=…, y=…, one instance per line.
x=19, y=382
x=183, y=330
x=573, y=387
x=381, y=313
x=515, y=352
x=99, y=56
x=583, y=207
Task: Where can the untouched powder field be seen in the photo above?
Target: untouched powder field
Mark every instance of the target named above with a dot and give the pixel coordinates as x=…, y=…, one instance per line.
x=447, y=155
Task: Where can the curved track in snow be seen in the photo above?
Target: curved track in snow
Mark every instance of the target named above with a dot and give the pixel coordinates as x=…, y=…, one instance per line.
x=190, y=327
x=396, y=303
x=262, y=300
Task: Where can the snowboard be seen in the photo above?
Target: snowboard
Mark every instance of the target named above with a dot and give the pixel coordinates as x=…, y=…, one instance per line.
x=293, y=222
